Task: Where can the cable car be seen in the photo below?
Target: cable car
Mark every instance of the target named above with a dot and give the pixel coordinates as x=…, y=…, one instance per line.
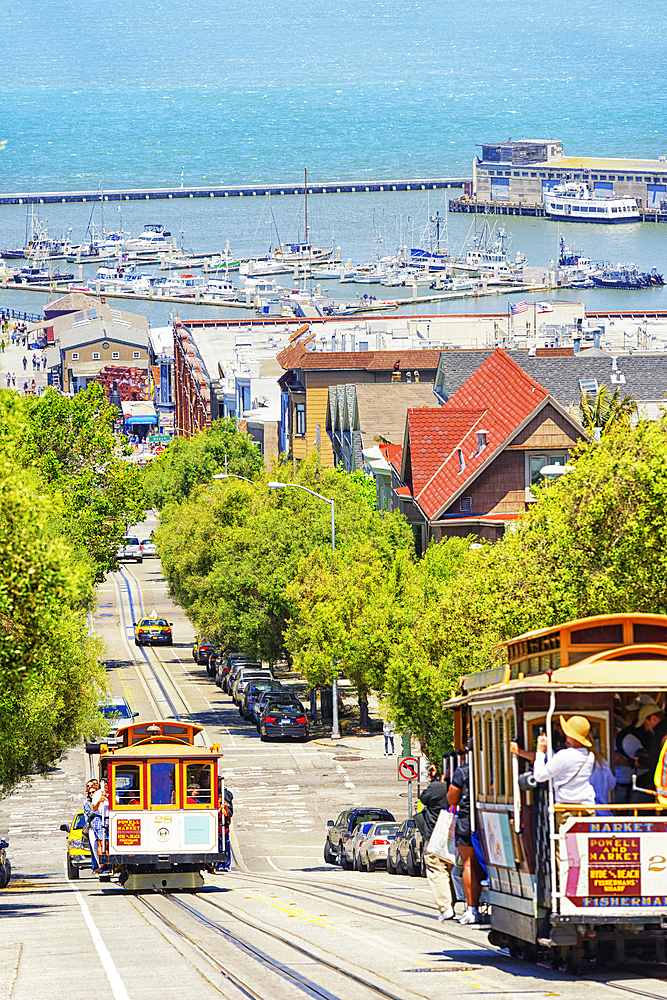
x=164, y=797
x=577, y=883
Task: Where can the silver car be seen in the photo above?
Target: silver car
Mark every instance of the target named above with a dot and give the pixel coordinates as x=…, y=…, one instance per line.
x=243, y=676
x=352, y=846
x=375, y=846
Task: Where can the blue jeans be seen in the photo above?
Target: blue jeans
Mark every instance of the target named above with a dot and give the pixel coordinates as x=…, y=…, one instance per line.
x=388, y=737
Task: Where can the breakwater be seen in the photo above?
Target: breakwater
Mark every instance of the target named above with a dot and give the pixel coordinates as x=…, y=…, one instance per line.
x=230, y=191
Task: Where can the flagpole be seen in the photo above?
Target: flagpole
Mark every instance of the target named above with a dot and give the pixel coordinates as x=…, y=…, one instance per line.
x=535, y=319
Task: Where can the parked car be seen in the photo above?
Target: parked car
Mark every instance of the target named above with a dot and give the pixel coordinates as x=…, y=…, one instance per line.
x=266, y=696
x=130, y=549
x=352, y=847
x=242, y=678
x=148, y=548
x=252, y=690
x=201, y=649
x=212, y=665
x=78, y=846
x=230, y=677
x=342, y=830
x=225, y=664
x=282, y=717
x=373, y=851
x=406, y=851
x=149, y=631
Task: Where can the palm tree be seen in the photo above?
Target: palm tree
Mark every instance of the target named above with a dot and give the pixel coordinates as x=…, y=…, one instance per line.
x=603, y=409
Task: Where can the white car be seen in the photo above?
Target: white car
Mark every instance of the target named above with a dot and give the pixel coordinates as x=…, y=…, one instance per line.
x=149, y=548
x=131, y=549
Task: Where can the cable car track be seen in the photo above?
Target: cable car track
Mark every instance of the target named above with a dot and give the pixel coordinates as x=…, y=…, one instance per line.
x=303, y=983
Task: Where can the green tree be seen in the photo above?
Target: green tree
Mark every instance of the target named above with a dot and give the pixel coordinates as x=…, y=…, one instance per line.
x=191, y=462
x=605, y=410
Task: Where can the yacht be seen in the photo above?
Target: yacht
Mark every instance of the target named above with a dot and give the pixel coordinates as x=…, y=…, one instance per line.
x=154, y=238
x=572, y=201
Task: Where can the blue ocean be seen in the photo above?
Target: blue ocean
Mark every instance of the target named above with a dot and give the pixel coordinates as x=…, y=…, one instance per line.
x=148, y=94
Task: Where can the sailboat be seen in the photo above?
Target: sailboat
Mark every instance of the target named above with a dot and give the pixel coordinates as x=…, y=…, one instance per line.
x=303, y=252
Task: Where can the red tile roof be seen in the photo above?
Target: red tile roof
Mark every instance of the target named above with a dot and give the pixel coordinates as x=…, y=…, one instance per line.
x=297, y=356
x=443, y=449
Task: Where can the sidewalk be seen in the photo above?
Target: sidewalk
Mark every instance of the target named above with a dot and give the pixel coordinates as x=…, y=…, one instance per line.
x=11, y=360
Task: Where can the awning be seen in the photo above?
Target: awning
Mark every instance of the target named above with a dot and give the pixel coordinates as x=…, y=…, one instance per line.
x=139, y=412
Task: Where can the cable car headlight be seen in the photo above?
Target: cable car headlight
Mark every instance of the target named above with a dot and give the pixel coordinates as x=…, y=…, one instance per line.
x=527, y=781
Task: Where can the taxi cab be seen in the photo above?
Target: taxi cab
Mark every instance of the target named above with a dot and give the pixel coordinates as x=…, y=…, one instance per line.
x=149, y=631
x=78, y=846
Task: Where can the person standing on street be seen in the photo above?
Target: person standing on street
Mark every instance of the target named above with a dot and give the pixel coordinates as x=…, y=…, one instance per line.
x=434, y=800
x=388, y=732
x=25, y=363
x=459, y=795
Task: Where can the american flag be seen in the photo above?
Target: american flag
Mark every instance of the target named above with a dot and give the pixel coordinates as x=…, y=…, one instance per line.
x=518, y=307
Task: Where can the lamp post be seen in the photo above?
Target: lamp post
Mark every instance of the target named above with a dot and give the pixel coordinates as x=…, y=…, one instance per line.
x=335, y=732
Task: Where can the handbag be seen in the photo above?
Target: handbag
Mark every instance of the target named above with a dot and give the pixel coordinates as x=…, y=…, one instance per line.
x=441, y=842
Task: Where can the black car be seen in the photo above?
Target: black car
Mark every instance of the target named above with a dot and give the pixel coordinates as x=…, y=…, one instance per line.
x=225, y=664
x=343, y=829
x=202, y=649
x=263, y=697
x=406, y=851
x=212, y=664
x=251, y=693
x=284, y=716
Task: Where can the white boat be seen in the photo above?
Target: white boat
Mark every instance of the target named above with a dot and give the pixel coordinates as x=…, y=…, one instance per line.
x=572, y=201
x=177, y=261
x=221, y=288
x=154, y=238
x=263, y=266
x=221, y=264
x=487, y=256
x=302, y=253
x=342, y=272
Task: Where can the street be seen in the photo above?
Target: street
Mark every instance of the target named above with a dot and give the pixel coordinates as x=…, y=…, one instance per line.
x=281, y=923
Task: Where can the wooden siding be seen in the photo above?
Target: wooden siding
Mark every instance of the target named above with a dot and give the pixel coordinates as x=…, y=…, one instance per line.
x=549, y=429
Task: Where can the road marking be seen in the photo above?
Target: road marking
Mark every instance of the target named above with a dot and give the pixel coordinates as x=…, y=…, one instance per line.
x=116, y=983
x=274, y=866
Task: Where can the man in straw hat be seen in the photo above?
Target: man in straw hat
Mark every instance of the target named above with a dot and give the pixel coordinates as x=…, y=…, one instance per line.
x=651, y=734
x=570, y=769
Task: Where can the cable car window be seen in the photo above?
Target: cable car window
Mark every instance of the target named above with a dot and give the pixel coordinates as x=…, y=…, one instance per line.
x=479, y=754
x=198, y=785
x=649, y=633
x=163, y=783
x=126, y=785
x=489, y=755
x=603, y=634
x=500, y=743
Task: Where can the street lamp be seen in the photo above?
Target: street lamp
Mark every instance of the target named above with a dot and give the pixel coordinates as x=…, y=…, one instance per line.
x=335, y=732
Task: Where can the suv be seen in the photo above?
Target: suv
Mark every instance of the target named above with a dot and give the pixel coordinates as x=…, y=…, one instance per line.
x=343, y=830
x=201, y=649
x=131, y=549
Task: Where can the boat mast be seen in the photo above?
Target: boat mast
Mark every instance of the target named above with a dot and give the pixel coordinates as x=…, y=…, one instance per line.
x=305, y=191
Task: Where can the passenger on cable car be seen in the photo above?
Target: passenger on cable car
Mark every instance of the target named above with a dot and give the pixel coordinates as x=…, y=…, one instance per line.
x=650, y=728
x=459, y=795
x=570, y=768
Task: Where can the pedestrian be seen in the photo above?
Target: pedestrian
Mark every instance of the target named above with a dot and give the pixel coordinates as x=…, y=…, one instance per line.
x=434, y=800
x=25, y=363
x=100, y=825
x=388, y=732
x=459, y=795
x=13, y=380
x=25, y=388
x=33, y=385
x=9, y=380
x=92, y=787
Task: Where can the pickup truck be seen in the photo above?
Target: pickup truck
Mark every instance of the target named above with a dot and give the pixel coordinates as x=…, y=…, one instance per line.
x=131, y=549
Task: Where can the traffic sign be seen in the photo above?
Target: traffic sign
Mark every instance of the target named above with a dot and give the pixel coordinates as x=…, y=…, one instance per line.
x=408, y=768
x=159, y=438
x=159, y=450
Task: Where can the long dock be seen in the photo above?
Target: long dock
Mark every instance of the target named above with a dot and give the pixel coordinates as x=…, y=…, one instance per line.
x=467, y=205
x=232, y=191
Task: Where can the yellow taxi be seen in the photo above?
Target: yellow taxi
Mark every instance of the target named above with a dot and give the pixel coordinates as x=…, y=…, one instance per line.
x=78, y=846
x=153, y=630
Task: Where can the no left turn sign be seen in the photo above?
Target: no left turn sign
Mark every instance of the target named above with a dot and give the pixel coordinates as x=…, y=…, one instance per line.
x=408, y=768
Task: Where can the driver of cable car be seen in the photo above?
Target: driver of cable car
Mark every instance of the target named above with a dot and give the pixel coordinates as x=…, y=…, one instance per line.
x=571, y=768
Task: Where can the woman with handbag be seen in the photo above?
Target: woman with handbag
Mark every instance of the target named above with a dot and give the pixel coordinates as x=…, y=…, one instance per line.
x=434, y=801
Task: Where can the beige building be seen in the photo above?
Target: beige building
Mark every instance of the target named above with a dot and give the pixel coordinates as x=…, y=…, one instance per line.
x=524, y=170
x=94, y=339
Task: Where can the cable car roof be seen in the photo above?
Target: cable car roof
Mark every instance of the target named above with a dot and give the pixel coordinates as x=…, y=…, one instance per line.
x=641, y=667
x=160, y=750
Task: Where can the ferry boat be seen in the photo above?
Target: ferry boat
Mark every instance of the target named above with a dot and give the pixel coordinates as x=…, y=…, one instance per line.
x=572, y=201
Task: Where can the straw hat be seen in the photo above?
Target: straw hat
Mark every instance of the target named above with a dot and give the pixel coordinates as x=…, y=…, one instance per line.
x=646, y=711
x=577, y=728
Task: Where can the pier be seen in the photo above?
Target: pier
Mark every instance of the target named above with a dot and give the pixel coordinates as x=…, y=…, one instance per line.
x=231, y=191
x=528, y=208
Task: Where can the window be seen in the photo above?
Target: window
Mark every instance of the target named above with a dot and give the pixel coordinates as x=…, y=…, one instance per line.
x=537, y=463
x=163, y=783
x=588, y=385
x=136, y=354
x=75, y=355
x=115, y=356
x=199, y=785
x=126, y=786
x=300, y=419
x=96, y=355
x=466, y=505
x=481, y=442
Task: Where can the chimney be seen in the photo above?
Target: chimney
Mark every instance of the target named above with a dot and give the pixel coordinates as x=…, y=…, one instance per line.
x=576, y=346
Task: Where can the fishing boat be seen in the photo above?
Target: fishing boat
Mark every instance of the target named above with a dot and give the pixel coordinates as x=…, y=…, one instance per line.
x=487, y=255
x=627, y=277
x=573, y=201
